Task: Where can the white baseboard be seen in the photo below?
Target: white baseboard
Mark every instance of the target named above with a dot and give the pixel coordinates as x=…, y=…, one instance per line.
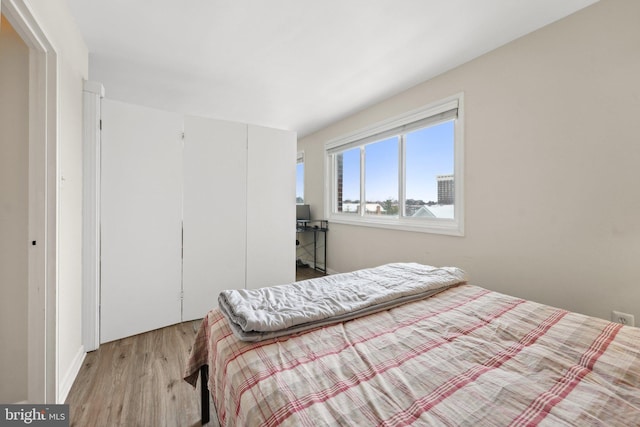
x=70, y=376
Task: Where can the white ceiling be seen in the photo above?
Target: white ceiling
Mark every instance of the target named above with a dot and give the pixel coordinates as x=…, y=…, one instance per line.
x=292, y=64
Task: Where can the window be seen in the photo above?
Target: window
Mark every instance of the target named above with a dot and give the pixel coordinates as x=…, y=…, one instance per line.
x=300, y=179
x=404, y=173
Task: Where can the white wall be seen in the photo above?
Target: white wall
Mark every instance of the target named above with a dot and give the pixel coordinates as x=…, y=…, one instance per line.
x=57, y=22
x=552, y=167
x=14, y=158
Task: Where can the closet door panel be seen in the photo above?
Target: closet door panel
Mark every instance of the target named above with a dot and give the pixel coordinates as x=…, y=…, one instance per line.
x=140, y=219
x=215, y=193
x=271, y=203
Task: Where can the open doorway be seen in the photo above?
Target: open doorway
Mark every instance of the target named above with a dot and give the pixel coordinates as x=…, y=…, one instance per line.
x=14, y=213
x=40, y=244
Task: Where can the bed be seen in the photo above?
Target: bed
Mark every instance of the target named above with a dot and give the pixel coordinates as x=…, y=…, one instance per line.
x=464, y=355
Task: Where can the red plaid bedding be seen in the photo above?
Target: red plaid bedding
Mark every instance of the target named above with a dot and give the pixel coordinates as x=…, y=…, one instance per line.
x=467, y=356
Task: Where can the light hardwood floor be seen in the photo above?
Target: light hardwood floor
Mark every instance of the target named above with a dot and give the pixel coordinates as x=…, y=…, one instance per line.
x=307, y=273
x=137, y=381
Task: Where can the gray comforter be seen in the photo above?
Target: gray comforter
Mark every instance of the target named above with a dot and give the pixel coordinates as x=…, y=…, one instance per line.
x=270, y=312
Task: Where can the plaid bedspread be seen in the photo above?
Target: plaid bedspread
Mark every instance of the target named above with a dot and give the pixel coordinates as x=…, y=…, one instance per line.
x=467, y=356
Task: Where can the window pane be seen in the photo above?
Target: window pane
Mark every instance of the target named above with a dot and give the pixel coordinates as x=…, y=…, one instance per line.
x=300, y=182
x=429, y=172
x=348, y=181
x=381, y=177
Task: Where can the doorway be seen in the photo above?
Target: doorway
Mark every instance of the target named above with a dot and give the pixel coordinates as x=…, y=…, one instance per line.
x=14, y=213
x=40, y=245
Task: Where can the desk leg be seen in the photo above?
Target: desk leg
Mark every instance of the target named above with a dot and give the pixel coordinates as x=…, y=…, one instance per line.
x=315, y=249
x=325, y=252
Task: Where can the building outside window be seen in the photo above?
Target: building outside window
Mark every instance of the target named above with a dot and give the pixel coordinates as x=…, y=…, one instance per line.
x=446, y=190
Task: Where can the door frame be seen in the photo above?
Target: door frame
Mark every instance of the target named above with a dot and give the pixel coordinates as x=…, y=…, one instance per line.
x=43, y=203
x=93, y=92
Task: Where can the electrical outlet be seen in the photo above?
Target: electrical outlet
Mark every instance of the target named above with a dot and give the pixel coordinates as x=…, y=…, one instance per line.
x=623, y=318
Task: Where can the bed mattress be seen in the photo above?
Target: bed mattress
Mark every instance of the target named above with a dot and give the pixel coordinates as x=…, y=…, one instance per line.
x=466, y=356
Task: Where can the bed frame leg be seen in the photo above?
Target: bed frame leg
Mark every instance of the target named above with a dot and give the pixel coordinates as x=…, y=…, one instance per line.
x=204, y=394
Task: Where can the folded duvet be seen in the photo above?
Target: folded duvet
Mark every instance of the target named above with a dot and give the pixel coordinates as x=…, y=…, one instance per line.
x=271, y=312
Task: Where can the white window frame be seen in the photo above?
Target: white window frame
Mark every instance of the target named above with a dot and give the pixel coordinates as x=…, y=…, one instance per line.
x=300, y=159
x=380, y=130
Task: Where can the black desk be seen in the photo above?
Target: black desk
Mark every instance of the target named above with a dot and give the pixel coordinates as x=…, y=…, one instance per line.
x=319, y=228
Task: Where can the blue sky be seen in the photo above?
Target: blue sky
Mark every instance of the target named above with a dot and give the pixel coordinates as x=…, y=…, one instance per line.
x=429, y=153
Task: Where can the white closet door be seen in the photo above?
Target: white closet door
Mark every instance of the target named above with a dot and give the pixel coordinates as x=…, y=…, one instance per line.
x=141, y=219
x=215, y=183
x=271, y=203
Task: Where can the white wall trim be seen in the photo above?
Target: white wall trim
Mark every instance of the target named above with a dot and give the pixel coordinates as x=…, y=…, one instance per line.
x=43, y=202
x=92, y=95
x=427, y=110
x=70, y=376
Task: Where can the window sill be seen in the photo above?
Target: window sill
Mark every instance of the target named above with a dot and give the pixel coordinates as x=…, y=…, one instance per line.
x=447, y=227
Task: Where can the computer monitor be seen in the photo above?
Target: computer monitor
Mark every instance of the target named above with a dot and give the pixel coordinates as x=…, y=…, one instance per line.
x=303, y=213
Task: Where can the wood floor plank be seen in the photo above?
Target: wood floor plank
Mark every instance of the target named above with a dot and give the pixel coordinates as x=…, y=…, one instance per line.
x=137, y=381
x=303, y=273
